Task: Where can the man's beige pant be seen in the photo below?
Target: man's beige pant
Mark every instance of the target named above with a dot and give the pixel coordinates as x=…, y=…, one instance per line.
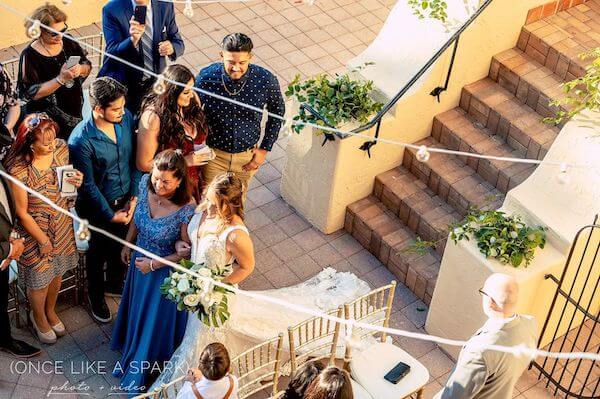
x=226, y=162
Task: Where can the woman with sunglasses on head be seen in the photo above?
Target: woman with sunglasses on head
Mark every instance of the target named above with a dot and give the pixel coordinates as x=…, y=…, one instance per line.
x=50, y=248
x=171, y=120
x=47, y=81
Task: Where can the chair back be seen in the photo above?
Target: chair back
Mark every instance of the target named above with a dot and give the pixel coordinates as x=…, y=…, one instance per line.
x=314, y=339
x=12, y=69
x=258, y=368
x=165, y=391
x=373, y=308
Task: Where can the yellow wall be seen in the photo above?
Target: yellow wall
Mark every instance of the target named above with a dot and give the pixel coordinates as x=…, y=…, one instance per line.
x=80, y=13
x=352, y=174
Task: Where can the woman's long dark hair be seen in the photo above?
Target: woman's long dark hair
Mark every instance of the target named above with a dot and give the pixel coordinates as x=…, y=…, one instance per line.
x=165, y=106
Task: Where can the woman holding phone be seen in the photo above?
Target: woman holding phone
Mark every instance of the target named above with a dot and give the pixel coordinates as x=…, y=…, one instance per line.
x=50, y=248
x=174, y=120
x=52, y=69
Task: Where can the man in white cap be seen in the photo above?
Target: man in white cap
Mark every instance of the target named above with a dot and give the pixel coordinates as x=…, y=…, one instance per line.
x=481, y=373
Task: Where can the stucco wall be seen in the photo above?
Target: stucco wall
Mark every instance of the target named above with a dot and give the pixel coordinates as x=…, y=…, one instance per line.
x=79, y=12
x=352, y=175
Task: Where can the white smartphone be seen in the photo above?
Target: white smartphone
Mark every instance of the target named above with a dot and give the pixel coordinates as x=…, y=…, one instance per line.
x=73, y=60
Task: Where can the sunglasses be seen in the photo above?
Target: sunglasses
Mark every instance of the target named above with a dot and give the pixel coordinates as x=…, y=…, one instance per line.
x=60, y=32
x=36, y=120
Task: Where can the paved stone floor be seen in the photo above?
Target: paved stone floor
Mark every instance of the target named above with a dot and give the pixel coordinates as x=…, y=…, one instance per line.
x=289, y=39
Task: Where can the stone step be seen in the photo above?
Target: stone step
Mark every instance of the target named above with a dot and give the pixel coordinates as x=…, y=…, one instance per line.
x=417, y=206
x=528, y=80
x=452, y=180
x=386, y=237
x=556, y=41
x=455, y=130
x=496, y=109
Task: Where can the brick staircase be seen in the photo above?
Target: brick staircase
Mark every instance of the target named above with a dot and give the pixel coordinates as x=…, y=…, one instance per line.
x=498, y=115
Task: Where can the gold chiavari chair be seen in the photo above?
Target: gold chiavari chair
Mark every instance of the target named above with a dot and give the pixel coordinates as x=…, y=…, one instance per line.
x=258, y=368
x=368, y=365
x=314, y=339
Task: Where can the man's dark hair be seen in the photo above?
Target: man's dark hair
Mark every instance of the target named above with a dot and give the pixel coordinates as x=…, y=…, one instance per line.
x=214, y=361
x=237, y=43
x=104, y=91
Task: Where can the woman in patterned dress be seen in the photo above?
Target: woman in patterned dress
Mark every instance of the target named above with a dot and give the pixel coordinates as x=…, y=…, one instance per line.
x=173, y=120
x=50, y=248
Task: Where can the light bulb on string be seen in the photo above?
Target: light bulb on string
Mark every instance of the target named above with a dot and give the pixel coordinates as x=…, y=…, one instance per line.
x=35, y=30
x=66, y=2
x=423, y=154
x=352, y=340
x=83, y=231
x=563, y=175
x=287, y=128
x=188, y=11
x=159, y=86
x=309, y=2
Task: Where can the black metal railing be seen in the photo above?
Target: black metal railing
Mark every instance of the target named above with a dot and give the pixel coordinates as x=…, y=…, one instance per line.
x=376, y=120
x=572, y=324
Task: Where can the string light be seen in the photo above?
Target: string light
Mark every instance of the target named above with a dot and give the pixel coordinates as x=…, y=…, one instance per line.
x=516, y=350
x=159, y=86
x=423, y=154
x=83, y=231
x=35, y=30
x=66, y=2
x=309, y=2
x=188, y=11
x=424, y=151
x=352, y=339
x=563, y=175
x=286, y=130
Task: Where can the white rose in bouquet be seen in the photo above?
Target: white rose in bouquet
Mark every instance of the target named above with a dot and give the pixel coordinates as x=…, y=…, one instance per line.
x=191, y=299
x=183, y=285
x=207, y=300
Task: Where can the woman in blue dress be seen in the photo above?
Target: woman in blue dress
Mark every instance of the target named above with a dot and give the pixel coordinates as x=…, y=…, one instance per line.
x=149, y=327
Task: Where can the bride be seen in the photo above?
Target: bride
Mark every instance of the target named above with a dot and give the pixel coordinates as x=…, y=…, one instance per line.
x=217, y=230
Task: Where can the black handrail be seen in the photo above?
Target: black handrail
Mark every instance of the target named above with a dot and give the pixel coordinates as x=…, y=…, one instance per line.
x=379, y=116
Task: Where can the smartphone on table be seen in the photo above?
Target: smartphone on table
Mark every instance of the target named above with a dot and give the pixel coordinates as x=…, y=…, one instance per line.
x=139, y=14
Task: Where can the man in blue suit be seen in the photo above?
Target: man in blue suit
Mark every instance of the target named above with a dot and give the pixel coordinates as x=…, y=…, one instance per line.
x=146, y=45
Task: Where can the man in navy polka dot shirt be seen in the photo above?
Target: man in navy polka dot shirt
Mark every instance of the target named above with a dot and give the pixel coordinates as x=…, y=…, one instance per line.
x=234, y=130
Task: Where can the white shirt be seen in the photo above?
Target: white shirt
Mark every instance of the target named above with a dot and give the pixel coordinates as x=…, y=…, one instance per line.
x=210, y=389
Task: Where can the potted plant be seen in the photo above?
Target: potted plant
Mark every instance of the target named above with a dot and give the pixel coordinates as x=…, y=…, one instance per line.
x=338, y=100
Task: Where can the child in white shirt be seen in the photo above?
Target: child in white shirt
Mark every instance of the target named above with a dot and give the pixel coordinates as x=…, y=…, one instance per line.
x=212, y=379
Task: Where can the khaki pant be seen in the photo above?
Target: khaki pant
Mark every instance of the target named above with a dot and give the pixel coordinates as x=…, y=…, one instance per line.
x=226, y=162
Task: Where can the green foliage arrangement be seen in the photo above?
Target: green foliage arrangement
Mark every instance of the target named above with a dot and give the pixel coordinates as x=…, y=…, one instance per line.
x=582, y=93
x=339, y=99
x=498, y=236
x=435, y=9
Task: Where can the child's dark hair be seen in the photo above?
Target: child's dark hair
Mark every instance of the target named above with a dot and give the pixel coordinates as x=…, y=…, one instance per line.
x=214, y=361
x=302, y=379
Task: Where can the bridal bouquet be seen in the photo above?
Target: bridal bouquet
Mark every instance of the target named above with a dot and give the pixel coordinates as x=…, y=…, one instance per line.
x=197, y=295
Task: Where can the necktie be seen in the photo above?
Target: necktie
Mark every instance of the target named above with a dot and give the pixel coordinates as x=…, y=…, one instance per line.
x=147, y=46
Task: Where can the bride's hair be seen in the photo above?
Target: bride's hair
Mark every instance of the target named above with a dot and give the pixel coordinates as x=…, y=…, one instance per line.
x=228, y=190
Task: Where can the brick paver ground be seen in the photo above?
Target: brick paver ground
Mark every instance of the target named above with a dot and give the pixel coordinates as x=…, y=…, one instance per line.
x=289, y=39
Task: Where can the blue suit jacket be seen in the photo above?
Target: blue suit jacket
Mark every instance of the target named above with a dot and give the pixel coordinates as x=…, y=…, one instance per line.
x=115, y=25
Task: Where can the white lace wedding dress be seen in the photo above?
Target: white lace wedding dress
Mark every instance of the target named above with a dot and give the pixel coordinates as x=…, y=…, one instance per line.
x=253, y=321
